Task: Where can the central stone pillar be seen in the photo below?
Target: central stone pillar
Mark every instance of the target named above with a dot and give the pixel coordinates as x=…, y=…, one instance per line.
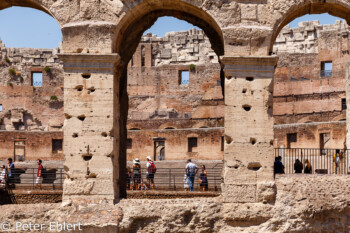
x=248, y=157
x=89, y=83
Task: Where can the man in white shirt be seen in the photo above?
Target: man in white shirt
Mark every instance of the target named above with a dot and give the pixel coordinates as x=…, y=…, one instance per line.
x=191, y=171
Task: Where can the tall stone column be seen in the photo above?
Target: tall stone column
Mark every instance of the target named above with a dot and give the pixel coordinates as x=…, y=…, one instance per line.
x=248, y=157
x=89, y=83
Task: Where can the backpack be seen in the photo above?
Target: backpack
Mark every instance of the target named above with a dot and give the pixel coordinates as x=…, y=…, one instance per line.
x=153, y=168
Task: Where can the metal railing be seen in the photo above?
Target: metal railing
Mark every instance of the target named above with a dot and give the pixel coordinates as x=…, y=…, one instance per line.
x=173, y=179
x=323, y=161
x=26, y=179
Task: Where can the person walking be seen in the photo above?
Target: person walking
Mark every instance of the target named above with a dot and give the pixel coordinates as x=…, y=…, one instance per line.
x=151, y=170
x=308, y=167
x=39, y=174
x=136, y=174
x=298, y=166
x=3, y=176
x=191, y=171
x=203, y=179
x=278, y=165
x=10, y=170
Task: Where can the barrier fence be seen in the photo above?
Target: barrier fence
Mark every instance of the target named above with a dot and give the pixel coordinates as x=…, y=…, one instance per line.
x=25, y=178
x=323, y=161
x=173, y=179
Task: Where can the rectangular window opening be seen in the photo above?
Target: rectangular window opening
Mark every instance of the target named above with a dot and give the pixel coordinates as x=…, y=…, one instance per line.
x=128, y=143
x=37, y=79
x=57, y=146
x=343, y=104
x=184, y=77
x=291, y=138
x=222, y=143
x=192, y=143
x=326, y=69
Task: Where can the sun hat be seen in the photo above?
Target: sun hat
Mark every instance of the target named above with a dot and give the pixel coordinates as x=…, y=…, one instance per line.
x=149, y=157
x=136, y=161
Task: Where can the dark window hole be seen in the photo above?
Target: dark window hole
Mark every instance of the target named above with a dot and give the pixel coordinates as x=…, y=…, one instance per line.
x=81, y=117
x=247, y=107
x=249, y=79
x=86, y=75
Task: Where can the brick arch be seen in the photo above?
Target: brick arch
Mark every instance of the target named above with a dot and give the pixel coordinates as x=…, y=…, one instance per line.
x=144, y=14
x=339, y=9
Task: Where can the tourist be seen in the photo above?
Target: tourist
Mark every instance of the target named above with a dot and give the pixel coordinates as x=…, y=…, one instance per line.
x=203, y=179
x=278, y=165
x=151, y=170
x=336, y=161
x=308, y=167
x=39, y=174
x=128, y=178
x=136, y=174
x=186, y=183
x=3, y=176
x=191, y=171
x=298, y=166
x=10, y=170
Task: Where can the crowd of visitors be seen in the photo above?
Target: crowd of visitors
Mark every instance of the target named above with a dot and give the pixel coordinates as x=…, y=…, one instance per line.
x=7, y=174
x=134, y=179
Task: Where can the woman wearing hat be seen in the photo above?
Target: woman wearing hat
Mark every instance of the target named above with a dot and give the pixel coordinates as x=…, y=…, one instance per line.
x=136, y=173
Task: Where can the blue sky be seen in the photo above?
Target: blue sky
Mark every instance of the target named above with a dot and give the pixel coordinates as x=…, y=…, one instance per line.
x=26, y=27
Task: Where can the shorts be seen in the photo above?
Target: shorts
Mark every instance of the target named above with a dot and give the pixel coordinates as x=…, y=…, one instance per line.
x=39, y=180
x=137, y=179
x=150, y=176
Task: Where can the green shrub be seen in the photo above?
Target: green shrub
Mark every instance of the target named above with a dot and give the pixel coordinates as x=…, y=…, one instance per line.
x=12, y=71
x=47, y=69
x=192, y=67
x=10, y=84
x=7, y=60
x=53, y=98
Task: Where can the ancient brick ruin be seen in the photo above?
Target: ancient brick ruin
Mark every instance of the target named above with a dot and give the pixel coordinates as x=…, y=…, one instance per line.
x=99, y=41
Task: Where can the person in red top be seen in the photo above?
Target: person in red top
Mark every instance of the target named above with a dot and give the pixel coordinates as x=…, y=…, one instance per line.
x=39, y=177
x=151, y=170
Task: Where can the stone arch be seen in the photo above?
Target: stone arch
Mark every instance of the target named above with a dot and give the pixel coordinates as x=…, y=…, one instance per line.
x=38, y=5
x=336, y=8
x=140, y=17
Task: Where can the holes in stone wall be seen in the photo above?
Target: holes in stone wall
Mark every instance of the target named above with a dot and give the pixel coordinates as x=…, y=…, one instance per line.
x=67, y=116
x=252, y=141
x=247, y=107
x=249, y=79
x=79, y=87
x=75, y=135
x=104, y=134
x=228, y=77
x=91, y=90
x=228, y=139
x=81, y=117
x=86, y=75
x=87, y=157
x=244, y=90
x=254, y=166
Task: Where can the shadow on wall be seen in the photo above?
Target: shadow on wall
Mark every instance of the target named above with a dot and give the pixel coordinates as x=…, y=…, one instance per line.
x=5, y=197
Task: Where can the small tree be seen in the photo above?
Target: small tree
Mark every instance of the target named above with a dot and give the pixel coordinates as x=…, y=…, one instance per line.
x=47, y=69
x=53, y=98
x=192, y=67
x=12, y=71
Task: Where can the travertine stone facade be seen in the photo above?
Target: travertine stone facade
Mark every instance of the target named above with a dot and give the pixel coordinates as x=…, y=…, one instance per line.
x=241, y=33
x=31, y=111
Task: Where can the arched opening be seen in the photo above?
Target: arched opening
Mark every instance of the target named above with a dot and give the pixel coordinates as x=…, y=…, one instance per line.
x=309, y=86
x=148, y=59
x=31, y=107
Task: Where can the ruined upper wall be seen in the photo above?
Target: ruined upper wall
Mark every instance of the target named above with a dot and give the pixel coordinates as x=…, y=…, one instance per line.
x=305, y=38
x=186, y=47
x=29, y=104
